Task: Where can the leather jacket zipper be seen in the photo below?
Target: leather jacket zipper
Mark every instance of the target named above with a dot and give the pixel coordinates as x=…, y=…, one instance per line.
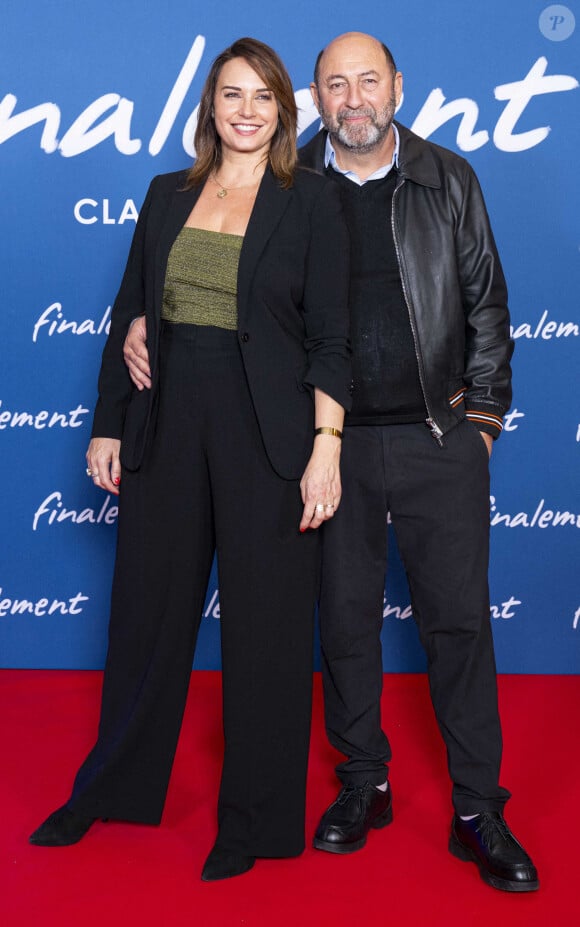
x=430, y=421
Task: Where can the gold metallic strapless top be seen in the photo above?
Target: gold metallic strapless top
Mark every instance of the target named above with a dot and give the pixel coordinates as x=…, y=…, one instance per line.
x=201, y=281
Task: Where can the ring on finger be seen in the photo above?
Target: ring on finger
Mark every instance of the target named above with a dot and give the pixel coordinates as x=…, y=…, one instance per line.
x=319, y=507
x=329, y=505
x=88, y=471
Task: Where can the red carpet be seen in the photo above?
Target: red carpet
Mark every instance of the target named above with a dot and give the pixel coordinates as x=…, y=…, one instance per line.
x=132, y=875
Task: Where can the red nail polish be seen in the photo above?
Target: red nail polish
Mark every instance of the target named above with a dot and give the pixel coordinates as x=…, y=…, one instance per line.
x=117, y=480
x=302, y=530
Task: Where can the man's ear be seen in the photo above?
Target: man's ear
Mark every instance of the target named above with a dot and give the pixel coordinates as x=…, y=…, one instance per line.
x=398, y=87
x=315, y=97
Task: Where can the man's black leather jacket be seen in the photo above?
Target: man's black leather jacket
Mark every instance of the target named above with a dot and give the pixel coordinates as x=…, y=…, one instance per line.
x=453, y=283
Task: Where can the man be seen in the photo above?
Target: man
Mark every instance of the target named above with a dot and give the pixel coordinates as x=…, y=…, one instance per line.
x=431, y=353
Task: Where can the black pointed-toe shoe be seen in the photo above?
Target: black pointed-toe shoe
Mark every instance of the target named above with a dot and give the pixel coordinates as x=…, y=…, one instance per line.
x=225, y=864
x=344, y=826
x=61, y=829
x=488, y=842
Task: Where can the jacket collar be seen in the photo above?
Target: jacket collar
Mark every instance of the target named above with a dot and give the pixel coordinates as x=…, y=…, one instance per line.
x=416, y=161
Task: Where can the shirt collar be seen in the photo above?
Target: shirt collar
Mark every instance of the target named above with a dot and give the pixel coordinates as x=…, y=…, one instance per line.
x=330, y=158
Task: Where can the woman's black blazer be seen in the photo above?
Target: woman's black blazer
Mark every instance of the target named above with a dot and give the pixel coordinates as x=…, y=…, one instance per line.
x=292, y=313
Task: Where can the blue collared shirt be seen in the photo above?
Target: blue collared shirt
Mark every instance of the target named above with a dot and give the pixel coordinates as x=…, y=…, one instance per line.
x=330, y=158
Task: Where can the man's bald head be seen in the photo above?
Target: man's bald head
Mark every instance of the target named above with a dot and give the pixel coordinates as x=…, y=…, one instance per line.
x=349, y=42
x=357, y=90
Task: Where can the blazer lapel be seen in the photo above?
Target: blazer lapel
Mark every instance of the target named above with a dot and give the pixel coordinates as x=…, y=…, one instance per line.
x=180, y=205
x=271, y=203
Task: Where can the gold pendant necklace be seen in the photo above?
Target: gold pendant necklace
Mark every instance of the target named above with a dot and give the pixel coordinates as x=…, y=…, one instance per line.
x=223, y=191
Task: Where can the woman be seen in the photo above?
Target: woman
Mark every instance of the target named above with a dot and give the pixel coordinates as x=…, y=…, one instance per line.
x=241, y=267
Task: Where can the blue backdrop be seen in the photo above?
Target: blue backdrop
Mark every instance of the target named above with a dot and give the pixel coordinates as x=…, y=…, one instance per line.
x=96, y=98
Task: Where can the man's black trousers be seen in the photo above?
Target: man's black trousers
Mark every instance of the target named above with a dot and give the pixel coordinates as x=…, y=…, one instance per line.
x=438, y=498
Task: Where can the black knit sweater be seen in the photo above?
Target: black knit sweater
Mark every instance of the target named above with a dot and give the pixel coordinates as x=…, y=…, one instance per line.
x=387, y=389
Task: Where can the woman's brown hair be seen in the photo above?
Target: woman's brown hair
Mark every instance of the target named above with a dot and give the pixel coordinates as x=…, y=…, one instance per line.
x=282, y=154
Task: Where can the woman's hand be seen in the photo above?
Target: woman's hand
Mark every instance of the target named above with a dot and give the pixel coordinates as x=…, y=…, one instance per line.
x=320, y=486
x=104, y=464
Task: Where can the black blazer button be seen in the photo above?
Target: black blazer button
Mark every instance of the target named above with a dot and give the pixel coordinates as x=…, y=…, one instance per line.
x=245, y=337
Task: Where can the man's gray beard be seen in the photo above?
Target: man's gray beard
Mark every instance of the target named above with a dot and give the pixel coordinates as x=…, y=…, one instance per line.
x=360, y=138
x=363, y=138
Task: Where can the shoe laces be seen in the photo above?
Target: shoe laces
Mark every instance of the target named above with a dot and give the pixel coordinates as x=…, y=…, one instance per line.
x=347, y=792
x=490, y=826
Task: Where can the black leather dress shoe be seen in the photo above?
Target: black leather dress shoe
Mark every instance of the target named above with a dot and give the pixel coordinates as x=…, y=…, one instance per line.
x=488, y=842
x=61, y=829
x=344, y=826
x=224, y=864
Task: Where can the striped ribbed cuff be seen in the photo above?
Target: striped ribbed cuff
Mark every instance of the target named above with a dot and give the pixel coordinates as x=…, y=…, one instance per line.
x=482, y=418
x=486, y=421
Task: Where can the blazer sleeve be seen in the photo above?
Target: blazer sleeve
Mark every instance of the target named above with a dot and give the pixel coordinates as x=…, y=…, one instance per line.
x=115, y=385
x=325, y=299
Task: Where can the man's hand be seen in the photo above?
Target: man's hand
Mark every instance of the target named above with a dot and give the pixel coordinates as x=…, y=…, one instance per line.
x=136, y=354
x=488, y=441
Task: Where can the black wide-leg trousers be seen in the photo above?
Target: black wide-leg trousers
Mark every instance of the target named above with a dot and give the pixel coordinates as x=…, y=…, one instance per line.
x=438, y=498
x=206, y=484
